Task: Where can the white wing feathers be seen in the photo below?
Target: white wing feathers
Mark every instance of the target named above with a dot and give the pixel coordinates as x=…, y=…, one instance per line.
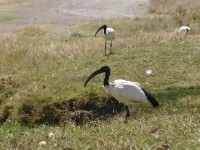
x=124, y=82
x=127, y=91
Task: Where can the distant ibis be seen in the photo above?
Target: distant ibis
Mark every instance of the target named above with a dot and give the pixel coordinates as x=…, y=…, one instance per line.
x=109, y=35
x=184, y=30
x=124, y=91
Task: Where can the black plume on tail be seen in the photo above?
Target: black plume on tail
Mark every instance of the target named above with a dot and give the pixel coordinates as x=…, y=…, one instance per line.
x=150, y=98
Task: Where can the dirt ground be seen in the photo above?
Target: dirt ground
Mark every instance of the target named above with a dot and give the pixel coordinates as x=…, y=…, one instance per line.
x=68, y=12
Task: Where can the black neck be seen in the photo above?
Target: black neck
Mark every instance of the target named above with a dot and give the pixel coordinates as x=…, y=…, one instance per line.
x=106, y=80
x=104, y=30
x=104, y=69
x=107, y=75
x=187, y=31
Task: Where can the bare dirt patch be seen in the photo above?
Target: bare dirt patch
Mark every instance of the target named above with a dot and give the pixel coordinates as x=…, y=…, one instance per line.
x=75, y=110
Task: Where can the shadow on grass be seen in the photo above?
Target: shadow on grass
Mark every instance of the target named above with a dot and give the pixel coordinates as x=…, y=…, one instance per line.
x=174, y=94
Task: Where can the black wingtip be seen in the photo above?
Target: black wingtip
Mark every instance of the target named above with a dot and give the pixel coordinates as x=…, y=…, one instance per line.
x=151, y=99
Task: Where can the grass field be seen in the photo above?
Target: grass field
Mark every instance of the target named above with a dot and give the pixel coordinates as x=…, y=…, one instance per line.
x=40, y=72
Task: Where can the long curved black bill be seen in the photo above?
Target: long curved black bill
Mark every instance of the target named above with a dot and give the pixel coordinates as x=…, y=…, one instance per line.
x=91, y=76
x=105, y=69
x=98, y=30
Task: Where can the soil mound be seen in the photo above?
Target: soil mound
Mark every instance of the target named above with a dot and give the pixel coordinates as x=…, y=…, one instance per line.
x=75, y=110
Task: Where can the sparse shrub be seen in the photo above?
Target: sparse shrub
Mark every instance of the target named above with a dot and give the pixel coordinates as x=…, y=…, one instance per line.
x=6, y=112
x=7, y=88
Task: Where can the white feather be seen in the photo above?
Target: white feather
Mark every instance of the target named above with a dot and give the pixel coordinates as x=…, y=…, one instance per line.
x=110, y=34
x=126, y=92
x=184, y=30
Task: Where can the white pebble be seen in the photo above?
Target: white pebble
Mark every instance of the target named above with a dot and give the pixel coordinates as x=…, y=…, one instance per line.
x=51, y=135
x=43, y=143
x=149, y=72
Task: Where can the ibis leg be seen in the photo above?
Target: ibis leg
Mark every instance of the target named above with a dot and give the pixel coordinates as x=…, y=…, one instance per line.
x=105, y=48
x=127, y=114
x=111, y=47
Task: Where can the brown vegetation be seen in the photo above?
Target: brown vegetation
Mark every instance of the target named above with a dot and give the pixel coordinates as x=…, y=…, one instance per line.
x=77, y=110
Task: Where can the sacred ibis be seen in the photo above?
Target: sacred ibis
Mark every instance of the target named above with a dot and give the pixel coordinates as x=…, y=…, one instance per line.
x=109, y=35
x=124, y=91
x=184, y=30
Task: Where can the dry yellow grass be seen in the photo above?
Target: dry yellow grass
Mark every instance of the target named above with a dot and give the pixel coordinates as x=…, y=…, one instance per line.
x=184, y=11
x=171, y=7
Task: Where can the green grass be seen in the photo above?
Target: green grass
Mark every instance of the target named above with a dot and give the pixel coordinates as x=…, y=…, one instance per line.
x=144, y=132
x=38, y=68
x=7, y=19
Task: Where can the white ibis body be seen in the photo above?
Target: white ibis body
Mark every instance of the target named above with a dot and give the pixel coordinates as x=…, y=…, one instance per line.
x=109, y=35
x=124, y=91
x=184, y=30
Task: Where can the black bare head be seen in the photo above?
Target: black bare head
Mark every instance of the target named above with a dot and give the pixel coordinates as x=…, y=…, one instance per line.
x=103, y=69
x=102, y=27
x=187, y=31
